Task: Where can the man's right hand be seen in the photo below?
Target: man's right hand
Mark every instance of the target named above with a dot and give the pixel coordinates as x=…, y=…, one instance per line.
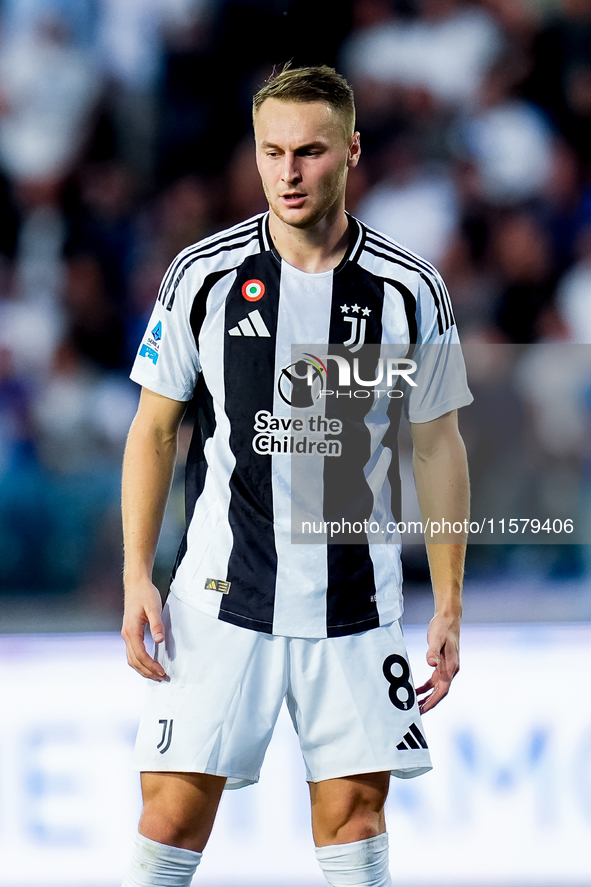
x=143, y=606
x=148, y=466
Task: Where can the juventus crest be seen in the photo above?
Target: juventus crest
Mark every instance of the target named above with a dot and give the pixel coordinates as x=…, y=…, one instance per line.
x=357, y=337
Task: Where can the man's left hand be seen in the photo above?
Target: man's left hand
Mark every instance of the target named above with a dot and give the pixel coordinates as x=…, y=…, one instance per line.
x=444, y=655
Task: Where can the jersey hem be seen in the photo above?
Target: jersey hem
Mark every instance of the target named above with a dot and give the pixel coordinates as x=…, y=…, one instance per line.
x=241, y=621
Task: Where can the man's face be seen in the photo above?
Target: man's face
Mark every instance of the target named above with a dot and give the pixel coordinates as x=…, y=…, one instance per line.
x=303, y=156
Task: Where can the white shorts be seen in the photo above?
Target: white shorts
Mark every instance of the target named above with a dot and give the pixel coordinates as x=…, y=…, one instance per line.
x=351, y=700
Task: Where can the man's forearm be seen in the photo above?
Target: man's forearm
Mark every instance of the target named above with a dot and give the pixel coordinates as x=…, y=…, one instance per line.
x=446, y=565
x=441, y=476
x=148, y=467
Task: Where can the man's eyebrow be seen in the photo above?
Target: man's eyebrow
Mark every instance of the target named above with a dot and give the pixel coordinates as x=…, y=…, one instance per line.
x=315, y=144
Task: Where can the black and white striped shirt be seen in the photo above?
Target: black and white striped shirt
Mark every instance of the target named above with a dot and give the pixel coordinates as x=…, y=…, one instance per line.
x=228, y=316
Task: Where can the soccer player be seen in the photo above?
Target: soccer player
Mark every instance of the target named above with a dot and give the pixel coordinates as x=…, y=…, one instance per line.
x=251, y=617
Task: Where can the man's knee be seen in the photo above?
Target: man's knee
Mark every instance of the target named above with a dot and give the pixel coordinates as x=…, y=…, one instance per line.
x=358, y=864
x=179, y=808
x=349, y=809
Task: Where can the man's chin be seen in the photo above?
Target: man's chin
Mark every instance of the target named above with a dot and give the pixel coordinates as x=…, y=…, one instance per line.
x=296, y=220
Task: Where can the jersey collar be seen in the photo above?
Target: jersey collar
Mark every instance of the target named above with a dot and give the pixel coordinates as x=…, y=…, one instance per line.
x=355, y=233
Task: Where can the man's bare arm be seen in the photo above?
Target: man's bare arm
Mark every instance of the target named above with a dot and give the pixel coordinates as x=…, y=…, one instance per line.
x=441, y=477
x=148, y=468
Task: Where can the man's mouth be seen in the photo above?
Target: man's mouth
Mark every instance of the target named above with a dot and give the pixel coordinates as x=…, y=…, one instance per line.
x=293, y=198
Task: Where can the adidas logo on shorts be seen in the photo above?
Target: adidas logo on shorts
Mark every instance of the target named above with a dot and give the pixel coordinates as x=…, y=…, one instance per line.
x=252, y=325
x=413, y=739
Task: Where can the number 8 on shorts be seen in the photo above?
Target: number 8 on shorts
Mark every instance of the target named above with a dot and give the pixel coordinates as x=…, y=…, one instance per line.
x=399, y=682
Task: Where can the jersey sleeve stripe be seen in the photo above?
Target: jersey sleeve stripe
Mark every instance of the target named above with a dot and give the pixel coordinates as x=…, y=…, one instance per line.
x=358, y=247
x=379, y=239
x=188, y=264
x=199, y=307
x=397, y=261
x=438, y=282
x=220, y=237
x=429, y=274
x=439, y=304
x=265, y=236
x=189, y=256
x=357, y=254
x=197, y=249
x=448, y=302
x=410, y=308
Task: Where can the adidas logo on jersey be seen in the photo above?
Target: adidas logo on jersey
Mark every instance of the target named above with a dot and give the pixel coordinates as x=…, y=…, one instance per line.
x=413, y=739
x=252, y=325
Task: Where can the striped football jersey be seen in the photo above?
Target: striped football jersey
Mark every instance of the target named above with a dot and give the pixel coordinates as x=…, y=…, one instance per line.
x=225, y=332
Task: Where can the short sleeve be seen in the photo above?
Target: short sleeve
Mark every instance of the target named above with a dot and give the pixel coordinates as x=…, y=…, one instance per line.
x=167, y=361
x=440, y=378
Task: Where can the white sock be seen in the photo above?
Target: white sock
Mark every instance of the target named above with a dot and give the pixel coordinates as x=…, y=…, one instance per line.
x=158, y=865
x=360, y=864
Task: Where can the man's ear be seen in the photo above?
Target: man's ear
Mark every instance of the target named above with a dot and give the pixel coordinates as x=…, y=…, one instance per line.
x=354, y=151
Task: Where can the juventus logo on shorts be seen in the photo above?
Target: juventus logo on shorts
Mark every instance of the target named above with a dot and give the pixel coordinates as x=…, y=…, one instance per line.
x=166, y=736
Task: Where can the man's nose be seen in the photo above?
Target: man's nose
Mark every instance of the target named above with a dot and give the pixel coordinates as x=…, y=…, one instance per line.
x=291, y=171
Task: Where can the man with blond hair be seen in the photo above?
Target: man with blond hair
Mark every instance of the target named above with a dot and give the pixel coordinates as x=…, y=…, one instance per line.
x=252, y=617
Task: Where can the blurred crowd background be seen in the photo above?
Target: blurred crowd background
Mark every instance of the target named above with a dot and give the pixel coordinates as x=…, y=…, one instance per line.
x=125, y=135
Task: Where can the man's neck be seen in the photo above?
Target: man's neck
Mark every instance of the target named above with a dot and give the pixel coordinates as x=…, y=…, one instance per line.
x=316, y=249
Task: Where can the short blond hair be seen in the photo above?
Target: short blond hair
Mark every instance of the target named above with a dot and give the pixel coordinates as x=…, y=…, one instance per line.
x=311, y=84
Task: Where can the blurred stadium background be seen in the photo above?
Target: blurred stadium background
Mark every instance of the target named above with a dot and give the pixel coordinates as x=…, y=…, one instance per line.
x=125, y=136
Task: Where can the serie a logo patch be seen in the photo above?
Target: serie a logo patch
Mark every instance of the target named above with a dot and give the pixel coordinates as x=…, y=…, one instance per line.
x=218, y=585
x=151, y=347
